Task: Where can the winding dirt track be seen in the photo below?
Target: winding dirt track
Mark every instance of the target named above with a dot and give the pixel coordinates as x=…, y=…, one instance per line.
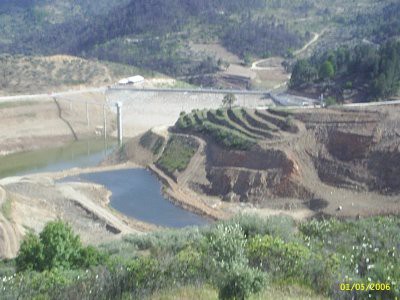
x=313, y=41
x=255, y=65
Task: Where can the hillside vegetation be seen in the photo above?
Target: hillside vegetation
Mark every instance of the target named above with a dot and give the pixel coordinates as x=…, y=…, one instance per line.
x=156, y=34
x=26, y=74
x=232, y=259
x=236, y=128
x=177, y=154
x=366, y=71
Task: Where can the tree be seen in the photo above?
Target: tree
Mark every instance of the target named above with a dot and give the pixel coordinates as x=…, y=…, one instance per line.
x=60, y=245
x=327, y=71
x=30, y=256
x=56, y=247
x=229, y=100
x=227, y=260
x=303, y=73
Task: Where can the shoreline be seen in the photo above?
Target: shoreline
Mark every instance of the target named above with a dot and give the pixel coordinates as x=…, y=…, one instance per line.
x=181, y=198
x=166, y=189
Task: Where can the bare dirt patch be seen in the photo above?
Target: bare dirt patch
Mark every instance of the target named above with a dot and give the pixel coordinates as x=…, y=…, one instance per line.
x=218, y=51
x=51, y=121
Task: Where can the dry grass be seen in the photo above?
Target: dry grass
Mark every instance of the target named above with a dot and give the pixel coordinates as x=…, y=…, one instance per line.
x=208, y=293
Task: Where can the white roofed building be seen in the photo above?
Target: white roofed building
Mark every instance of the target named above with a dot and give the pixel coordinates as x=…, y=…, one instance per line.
x=131, y=80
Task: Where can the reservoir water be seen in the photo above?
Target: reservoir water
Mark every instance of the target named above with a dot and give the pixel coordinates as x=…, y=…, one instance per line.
x=79, y=154
x=137, y=193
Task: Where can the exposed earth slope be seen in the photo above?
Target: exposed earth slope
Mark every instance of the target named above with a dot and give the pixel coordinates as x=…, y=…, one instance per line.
x=338, y=161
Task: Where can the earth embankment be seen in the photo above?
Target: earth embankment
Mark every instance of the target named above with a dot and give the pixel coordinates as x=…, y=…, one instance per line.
x=339, y=161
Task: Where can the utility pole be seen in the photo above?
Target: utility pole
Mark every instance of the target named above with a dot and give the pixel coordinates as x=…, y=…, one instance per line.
x=119, y=121
x=87, y=114
x=105, y=123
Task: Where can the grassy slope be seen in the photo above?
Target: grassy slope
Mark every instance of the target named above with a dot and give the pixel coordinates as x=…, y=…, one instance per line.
x=177, y=154
x=6, y=208
x=35, y=74
x=272, y=292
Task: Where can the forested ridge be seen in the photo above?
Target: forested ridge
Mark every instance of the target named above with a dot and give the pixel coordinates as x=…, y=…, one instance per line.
x=156, y=34
x=368, y=68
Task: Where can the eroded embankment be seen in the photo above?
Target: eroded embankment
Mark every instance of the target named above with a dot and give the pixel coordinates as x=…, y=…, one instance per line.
x=252, y=176
x=336, y=161
x=357, y=150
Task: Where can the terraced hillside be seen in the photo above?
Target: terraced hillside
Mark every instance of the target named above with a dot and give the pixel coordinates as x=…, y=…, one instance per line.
x=238, y=128
x=336, y=161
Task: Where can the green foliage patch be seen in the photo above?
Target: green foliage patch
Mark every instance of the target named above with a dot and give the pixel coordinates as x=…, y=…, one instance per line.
x=238, y=258
x=218, y=129
x=153, y=142
x=6, y=208
x=375, y=70
x=177, y=154
x=56, y=247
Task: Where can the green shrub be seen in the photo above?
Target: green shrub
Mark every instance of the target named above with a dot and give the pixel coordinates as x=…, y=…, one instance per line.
x=144, y=274
x=330, y=101
x=252, y=225
x=6, y=208
x=321, y=271
x=319, y=229
x=60, y=246
x=177, y=154
x=240, y=282
x=30, y=255
x=169, y=241
x=56, y=247
x=226, y=246
x=227, y=137
x=90, y=256
x=187, y=267
x=228, y=264
x=151, y=141
x=285, y=261
x=348, y=85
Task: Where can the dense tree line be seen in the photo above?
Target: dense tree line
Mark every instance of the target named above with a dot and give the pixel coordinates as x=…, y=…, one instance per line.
x=161, y=29
x=378, y=25
x=375, y=68
x=261, y=38
x=148, y=33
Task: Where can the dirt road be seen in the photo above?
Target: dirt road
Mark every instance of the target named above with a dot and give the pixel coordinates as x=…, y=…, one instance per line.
x=309, y=44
